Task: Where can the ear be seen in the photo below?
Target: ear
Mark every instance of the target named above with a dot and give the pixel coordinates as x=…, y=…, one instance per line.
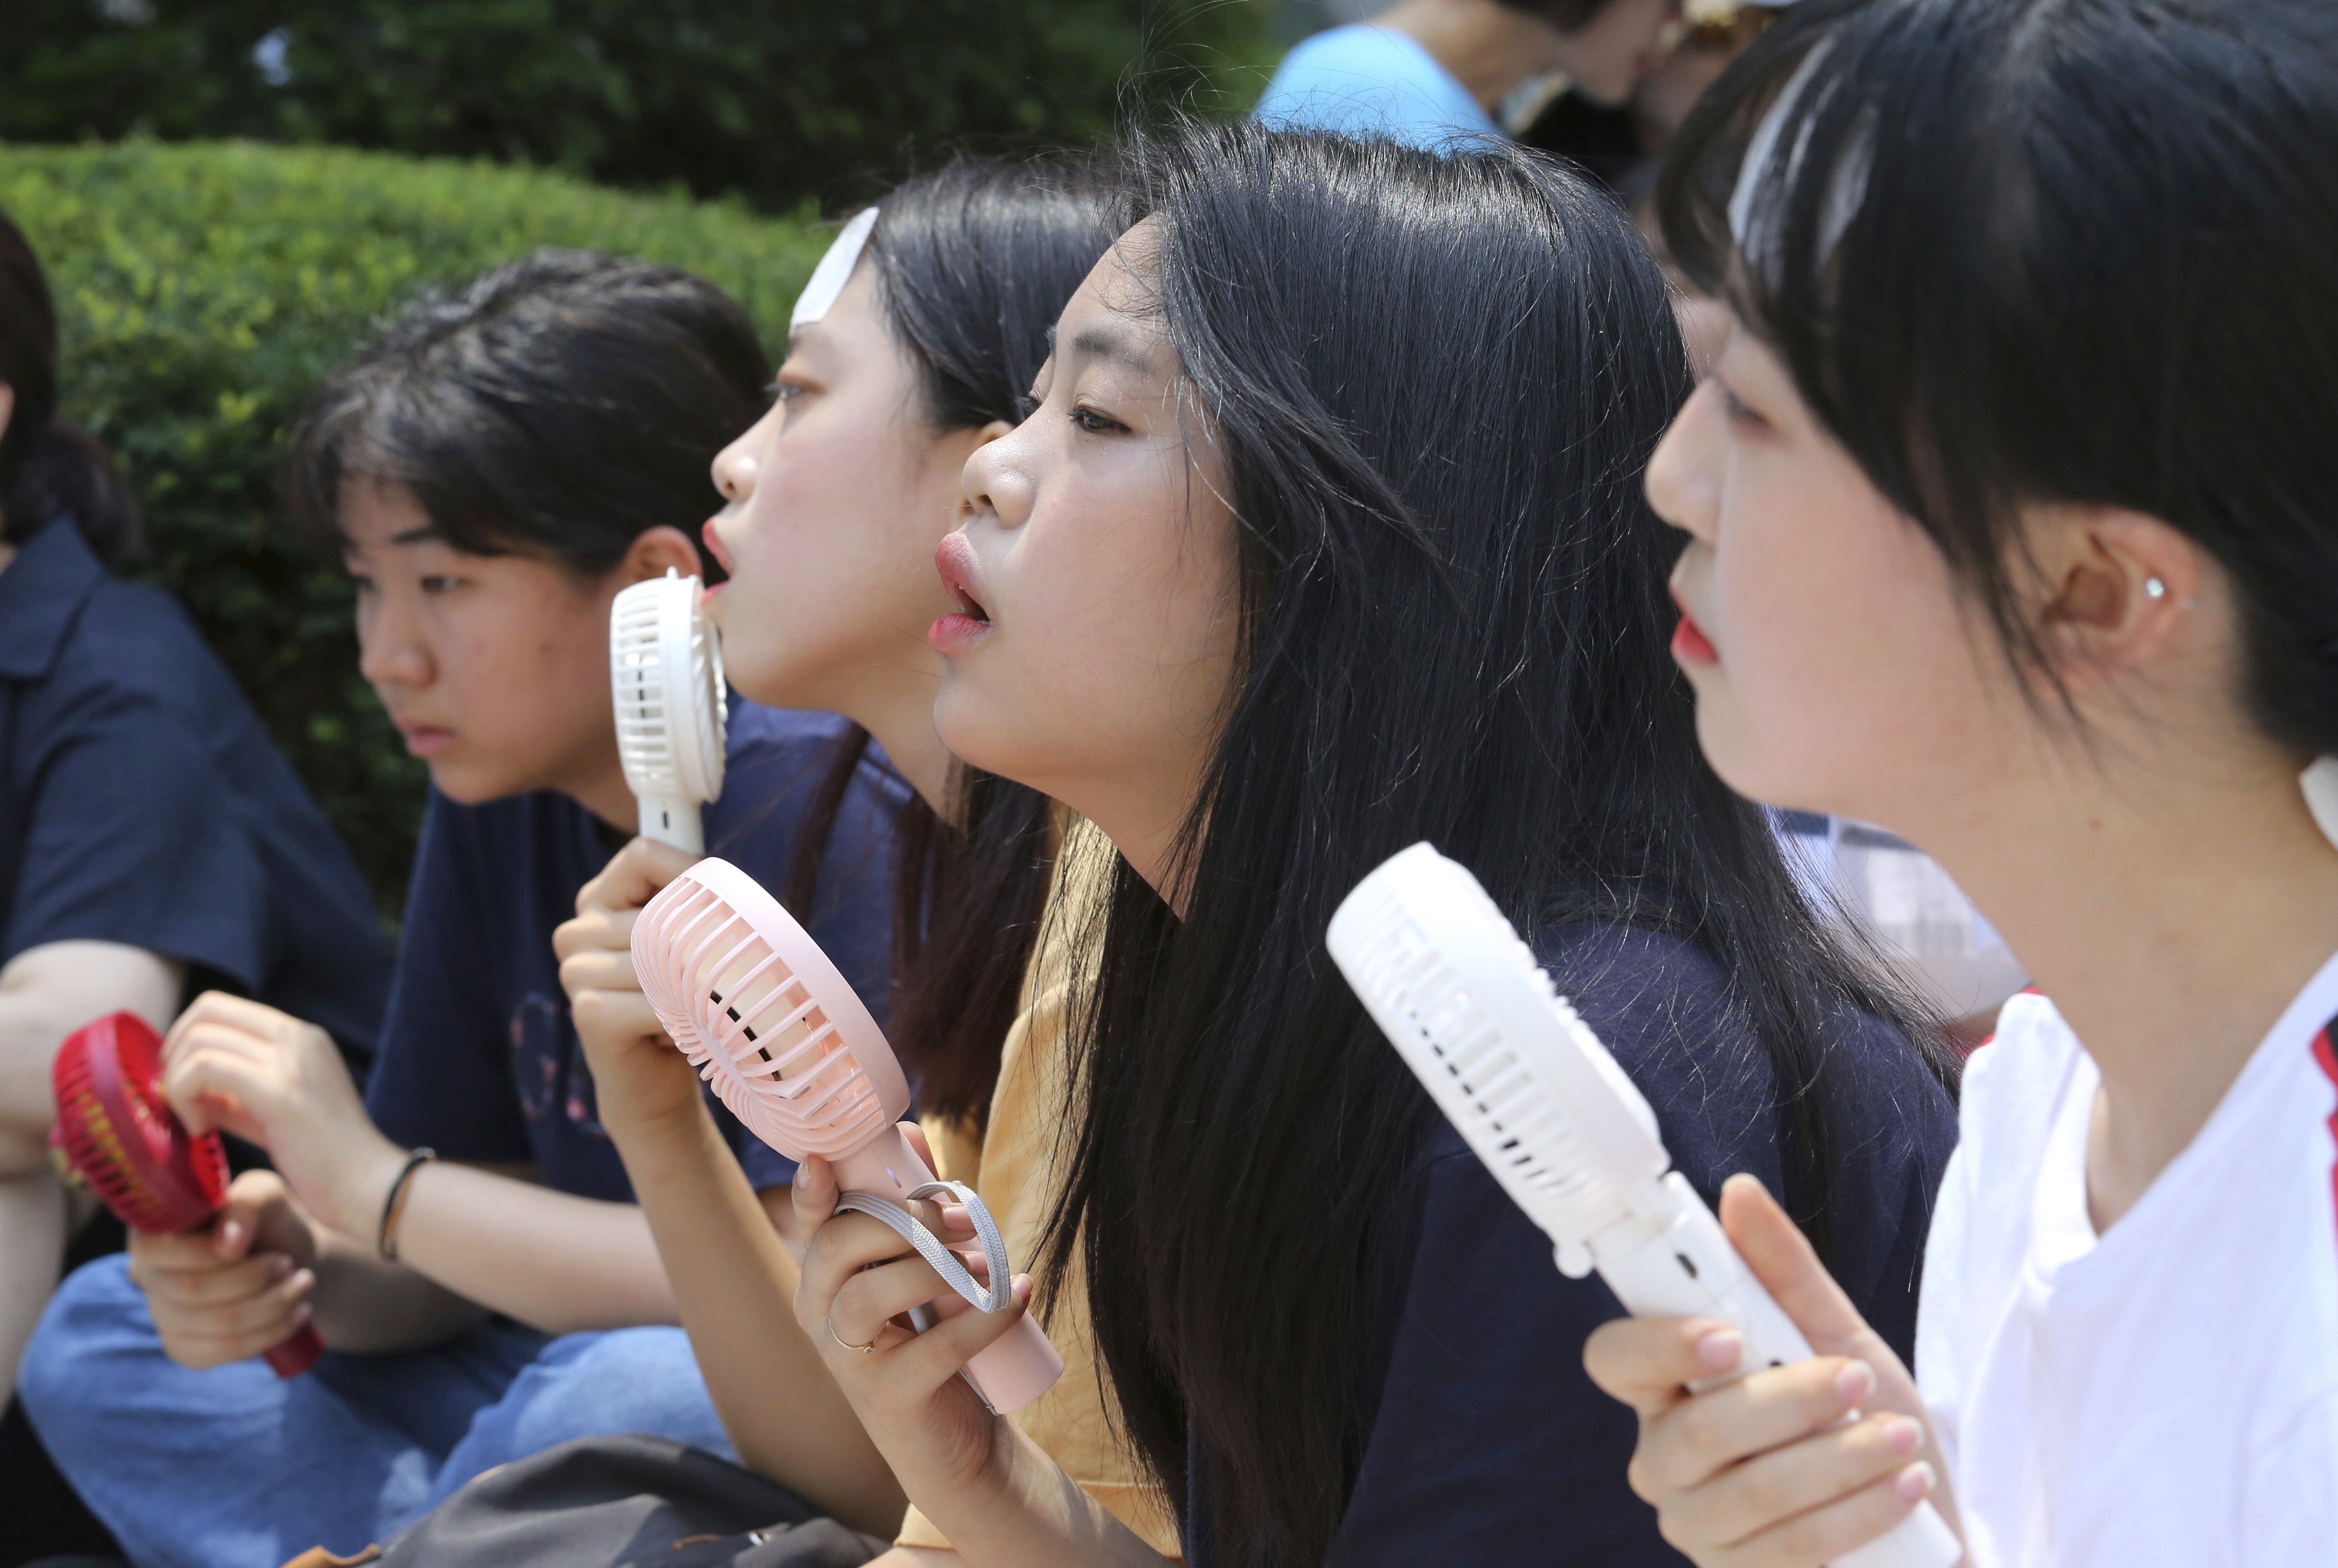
x=2116, y=587
x=654, y=549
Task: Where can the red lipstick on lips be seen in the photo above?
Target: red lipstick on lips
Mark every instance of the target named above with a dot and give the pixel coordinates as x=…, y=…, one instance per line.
x=1690, y=644
x=958, y=633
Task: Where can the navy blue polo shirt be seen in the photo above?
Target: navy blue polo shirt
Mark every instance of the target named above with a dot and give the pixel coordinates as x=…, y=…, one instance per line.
x=478, y=1058
x=1490, y=1444
x=143, y=802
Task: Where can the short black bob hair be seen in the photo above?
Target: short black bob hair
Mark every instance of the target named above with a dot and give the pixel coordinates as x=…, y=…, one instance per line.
x=2056, y=251
x=558, y=406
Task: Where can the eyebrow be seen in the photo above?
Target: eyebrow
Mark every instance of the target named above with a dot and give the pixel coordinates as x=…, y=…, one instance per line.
x=426, y=535
x=1105, y=343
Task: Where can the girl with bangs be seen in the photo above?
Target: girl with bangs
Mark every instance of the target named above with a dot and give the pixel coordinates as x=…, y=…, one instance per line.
x=2010, y=528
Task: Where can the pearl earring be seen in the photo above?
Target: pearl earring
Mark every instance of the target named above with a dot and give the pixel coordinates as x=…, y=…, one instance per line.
x=2153, y=588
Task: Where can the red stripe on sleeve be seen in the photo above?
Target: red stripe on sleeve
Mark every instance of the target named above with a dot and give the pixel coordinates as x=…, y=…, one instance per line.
x=2327, y=1057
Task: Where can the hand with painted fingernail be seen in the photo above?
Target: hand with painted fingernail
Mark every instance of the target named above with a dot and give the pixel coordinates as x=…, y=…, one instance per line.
x=237, y=1288
x=1788, y=1468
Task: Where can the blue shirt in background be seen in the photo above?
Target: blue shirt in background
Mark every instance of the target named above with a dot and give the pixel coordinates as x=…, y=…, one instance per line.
x=479, y=1060
x=1490, y=1444
x=1367, y=81
x=143, y=802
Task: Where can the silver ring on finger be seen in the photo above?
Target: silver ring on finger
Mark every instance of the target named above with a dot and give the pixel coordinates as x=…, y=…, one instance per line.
x=847, y=1344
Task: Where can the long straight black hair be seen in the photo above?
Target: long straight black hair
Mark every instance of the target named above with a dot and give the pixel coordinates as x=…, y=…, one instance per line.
x=974, y=263
x=1432, y=385
x=2068, y=250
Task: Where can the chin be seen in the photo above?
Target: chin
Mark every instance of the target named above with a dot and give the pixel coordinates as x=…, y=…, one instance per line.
x=473, y=785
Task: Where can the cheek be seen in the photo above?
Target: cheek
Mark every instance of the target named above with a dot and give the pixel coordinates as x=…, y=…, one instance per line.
x=1843, y=657
x=834, y=566
x=1115, y=659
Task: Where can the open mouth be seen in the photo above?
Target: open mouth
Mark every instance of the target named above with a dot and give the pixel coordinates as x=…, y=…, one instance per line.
x=955, y=633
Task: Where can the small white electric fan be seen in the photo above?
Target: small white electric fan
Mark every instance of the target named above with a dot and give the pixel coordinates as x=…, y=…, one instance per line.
x=665, y=672
x=1554, y=1118
x=769, y=1020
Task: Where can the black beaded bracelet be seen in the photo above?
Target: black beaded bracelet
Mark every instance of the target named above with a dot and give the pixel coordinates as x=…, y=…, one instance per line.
x=384, y=1239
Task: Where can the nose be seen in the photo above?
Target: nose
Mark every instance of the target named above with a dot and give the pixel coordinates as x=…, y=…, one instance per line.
x=734, y=471
x=391, y=654
x=1684, y=482
x=997, y=480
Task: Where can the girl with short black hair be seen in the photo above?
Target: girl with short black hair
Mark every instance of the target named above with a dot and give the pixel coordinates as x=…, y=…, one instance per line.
x=494, y=468
x=2012, y=527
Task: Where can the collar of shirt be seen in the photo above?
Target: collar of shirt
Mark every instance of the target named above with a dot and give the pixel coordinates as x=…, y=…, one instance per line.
x=40, y=594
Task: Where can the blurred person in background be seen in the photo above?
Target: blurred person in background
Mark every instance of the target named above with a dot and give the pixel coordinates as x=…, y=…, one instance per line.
x=493, y=470
x=151, y=837
x=1437, y=72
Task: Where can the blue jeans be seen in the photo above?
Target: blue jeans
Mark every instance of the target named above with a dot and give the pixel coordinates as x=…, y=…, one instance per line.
x=237, y=1469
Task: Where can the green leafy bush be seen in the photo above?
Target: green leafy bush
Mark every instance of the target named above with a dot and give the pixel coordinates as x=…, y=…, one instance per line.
x=204, y=288
x=772, y=99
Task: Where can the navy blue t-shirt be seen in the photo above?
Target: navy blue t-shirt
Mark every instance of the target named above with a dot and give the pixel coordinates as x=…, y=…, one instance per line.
x=478, y=1058
x=143, y=802
x=1490, y=1444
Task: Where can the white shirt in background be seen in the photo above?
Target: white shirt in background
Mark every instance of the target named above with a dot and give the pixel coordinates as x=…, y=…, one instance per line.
x=1857, y=875
x=2166, y=1393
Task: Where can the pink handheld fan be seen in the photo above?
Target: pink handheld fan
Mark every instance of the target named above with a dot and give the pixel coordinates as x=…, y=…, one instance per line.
x=758, y=1008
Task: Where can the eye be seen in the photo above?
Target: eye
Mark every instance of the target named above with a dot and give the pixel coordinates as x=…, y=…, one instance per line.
x=1740, y=411
x=436, y=583
x=362, y=584
x=1095, y=421
x=1026, y=405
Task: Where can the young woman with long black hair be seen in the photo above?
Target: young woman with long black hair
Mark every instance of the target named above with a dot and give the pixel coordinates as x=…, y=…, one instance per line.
x=2011, y=526
x=835, y=503
x=1326, y=536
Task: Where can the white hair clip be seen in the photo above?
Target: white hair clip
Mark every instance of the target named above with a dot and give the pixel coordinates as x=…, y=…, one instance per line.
x=834, y=271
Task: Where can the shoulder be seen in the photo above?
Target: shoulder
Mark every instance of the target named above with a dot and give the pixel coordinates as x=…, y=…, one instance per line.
x=136, y=642
x=1663, y=1007
x=2012, y=1080
x=1357, y=47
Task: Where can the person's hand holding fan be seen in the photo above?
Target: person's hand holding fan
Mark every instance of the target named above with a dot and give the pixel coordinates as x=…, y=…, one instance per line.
x=117, y=1136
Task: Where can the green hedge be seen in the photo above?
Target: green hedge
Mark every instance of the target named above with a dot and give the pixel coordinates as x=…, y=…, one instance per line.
x=774, y=99
x=203, y=290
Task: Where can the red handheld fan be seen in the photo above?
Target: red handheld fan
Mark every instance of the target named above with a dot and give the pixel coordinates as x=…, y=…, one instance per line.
x=117, y=1134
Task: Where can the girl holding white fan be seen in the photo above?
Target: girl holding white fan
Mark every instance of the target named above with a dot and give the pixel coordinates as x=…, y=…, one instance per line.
x=493, y=470
x=2012, y=528
x=1326, y=536
x=913, y=345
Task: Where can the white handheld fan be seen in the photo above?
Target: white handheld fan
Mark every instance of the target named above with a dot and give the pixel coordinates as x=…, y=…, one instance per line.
x=1556, y=1121
x=769, y=1022
x=665, y=672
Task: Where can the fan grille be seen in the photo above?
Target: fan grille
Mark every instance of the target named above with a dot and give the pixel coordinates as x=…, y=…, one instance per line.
x=1475, y=1053
x=117, y=1132
x=666, y=677
x=726, y=970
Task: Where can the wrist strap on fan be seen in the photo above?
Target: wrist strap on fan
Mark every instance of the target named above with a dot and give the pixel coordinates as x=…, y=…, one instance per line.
x=934, y=1251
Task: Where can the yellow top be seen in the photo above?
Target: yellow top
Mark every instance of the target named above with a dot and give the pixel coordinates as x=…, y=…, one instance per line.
x=1010, y=1166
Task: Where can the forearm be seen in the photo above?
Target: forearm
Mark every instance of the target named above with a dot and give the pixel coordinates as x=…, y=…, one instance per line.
x=559, y=1263
x=364, y=1305
x=1027, y=1512
x=735, y=1284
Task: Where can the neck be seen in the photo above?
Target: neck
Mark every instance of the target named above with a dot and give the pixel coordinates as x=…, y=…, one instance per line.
x=896, y=705
x=7, y=551
x=1490, y=48
x=603, y=792
x=2171, y=918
